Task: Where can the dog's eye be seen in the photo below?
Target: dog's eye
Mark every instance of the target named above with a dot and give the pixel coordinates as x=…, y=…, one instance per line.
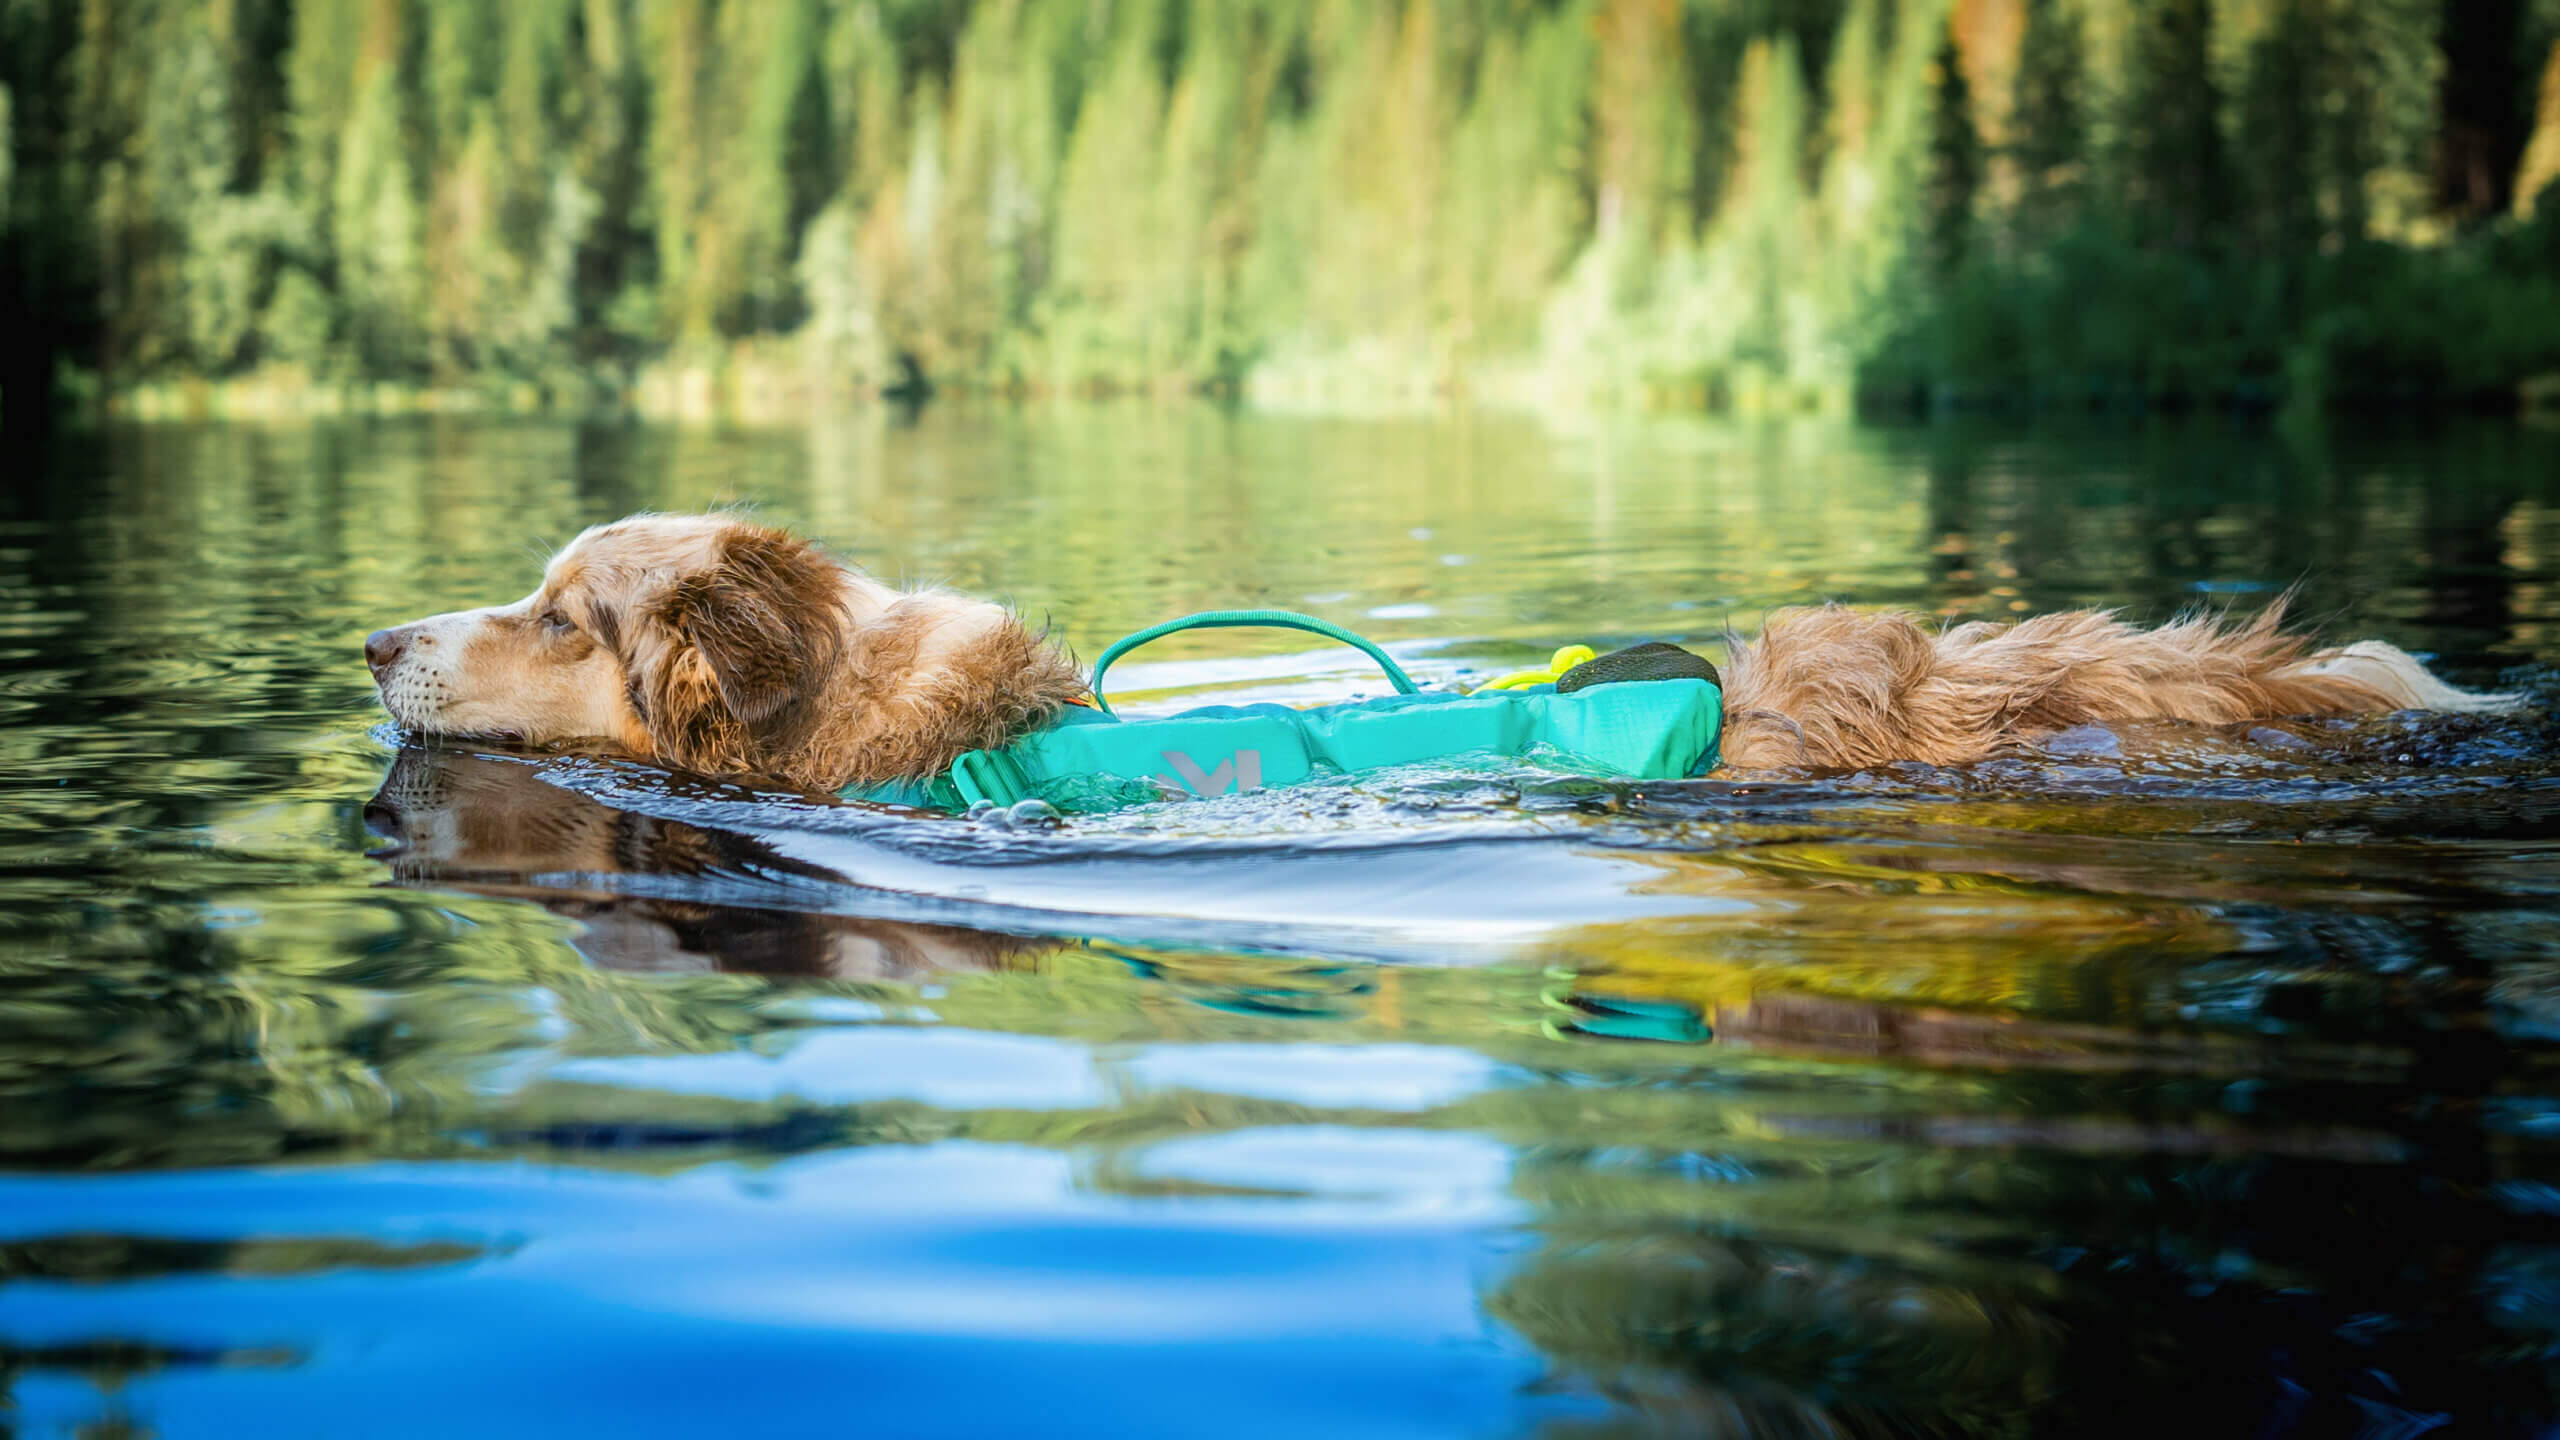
x=560, y=624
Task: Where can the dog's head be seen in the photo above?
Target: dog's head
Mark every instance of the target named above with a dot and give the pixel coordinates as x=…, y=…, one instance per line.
x=700, y=641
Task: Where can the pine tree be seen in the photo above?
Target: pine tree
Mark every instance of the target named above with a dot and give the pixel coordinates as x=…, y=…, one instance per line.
x=1955, y=163
x=2174, y=167
x=2047, y=124
x=7, y=157
x=1767, y=219
x=381, y=271
x=2281, y=137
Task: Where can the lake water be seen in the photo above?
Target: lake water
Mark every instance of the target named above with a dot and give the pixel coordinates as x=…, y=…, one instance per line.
x=2160, y=1077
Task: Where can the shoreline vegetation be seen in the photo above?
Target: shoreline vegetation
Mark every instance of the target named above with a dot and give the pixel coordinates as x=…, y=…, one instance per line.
x=691, y=209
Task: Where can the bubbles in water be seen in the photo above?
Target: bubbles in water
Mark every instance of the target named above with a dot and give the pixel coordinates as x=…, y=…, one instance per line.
x=1034, y=814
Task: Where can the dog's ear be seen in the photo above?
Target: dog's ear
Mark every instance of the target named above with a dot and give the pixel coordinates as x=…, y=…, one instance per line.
x=757, y=636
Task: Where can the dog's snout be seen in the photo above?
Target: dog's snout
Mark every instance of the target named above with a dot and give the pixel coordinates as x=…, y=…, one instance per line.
x=383, y=649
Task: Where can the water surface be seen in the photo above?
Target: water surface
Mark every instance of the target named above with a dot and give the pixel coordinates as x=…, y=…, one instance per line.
x=2158, y=1076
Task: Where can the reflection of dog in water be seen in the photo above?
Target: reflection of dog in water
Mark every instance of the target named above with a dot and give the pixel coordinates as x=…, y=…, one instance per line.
x=711, y=644
x=494, y=827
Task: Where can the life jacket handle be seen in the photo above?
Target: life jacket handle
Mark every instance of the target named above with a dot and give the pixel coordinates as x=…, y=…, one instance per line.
x=1230, y=619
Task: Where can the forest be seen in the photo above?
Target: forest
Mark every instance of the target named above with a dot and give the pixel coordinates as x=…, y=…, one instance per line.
x=1761, y=205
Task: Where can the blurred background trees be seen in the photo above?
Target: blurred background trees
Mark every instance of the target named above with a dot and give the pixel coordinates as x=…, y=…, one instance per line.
x=1764, y=203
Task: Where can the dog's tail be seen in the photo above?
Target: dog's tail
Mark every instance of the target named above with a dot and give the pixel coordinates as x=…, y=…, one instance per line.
x=2394, y=677
x=2222, y=671
x=1830, y=687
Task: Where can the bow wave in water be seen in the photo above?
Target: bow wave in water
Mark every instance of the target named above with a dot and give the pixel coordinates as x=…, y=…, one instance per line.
x=2157, y=1077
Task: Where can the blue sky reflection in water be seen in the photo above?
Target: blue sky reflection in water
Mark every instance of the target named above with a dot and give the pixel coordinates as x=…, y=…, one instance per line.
x=2158, y=1077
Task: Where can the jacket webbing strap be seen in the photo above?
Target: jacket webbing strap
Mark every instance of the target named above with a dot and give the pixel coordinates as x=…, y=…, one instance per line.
x=1231, y=619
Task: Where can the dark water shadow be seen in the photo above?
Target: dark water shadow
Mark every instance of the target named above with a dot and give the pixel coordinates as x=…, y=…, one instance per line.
x=650, y=895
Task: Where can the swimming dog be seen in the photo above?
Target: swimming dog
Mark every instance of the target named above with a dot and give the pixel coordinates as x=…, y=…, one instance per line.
x=713, y=644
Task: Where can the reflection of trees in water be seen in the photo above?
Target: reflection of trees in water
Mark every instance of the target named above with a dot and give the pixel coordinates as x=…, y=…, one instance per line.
x=91, y=1258
x=2135, y=1294
x=2023, y=1226
x=165, y=1044
x=1972, y=1181
x=1697, y=1334
x=111, y=1365
x=2173, y=515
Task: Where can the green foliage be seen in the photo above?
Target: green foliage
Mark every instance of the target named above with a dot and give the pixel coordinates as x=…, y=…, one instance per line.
x=299, y=323
x=2048, y=117
x=377, y=234
x=1955, y=162
x=6, y=166
x=2174, y=168
x=1320, y=200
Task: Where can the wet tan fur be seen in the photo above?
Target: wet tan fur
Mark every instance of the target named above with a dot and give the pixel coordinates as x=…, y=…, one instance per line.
x=1827, y=687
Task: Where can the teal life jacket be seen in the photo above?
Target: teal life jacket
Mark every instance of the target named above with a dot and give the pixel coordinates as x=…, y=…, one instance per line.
x=1089, y=759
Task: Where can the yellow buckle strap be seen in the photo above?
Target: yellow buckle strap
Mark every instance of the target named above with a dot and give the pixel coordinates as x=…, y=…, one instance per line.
x=1563, y=660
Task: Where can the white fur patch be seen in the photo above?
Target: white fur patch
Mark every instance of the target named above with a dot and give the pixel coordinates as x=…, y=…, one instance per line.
x=2398, y=675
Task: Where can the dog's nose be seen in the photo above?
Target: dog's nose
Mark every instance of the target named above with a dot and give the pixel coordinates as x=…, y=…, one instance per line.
x=384, y=820
x=382, y=649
